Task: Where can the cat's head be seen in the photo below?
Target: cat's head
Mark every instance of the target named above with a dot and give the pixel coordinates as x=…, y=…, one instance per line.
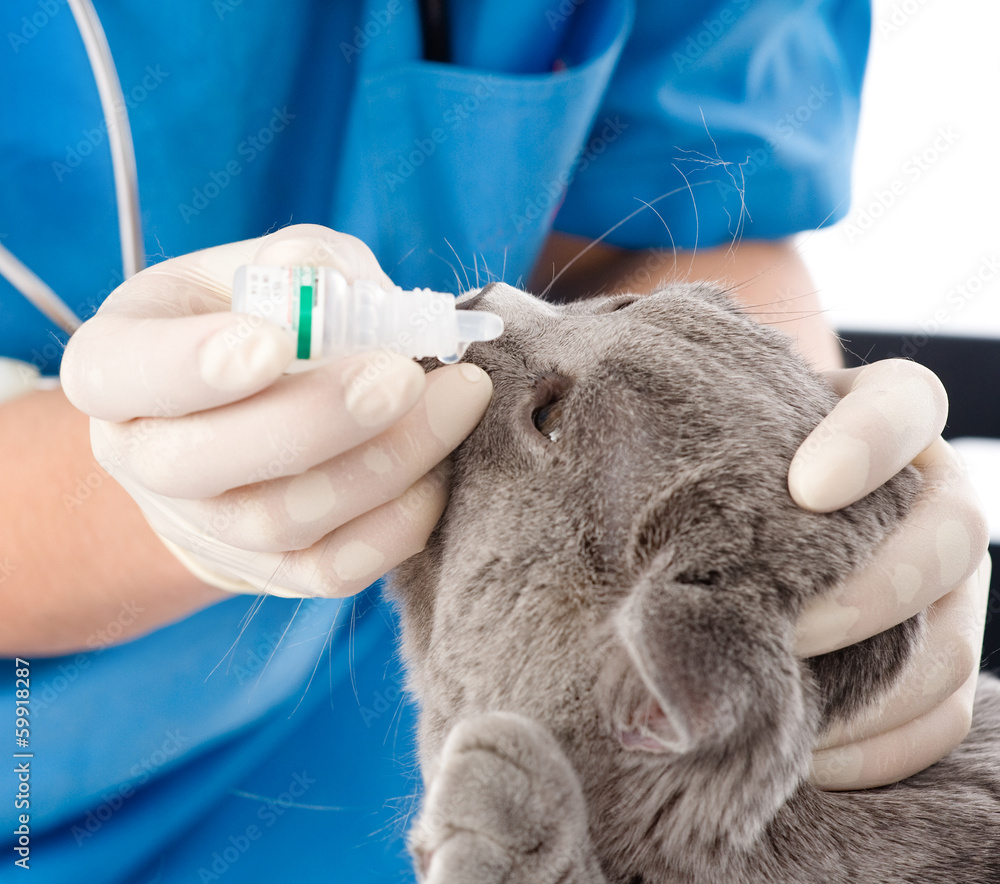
x=620, y=557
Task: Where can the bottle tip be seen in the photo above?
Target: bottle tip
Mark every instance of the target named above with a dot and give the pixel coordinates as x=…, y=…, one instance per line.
x=478, y=325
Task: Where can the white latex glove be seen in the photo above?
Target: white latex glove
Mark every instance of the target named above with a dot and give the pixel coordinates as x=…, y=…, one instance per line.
x=309, y=484
x=891, y=413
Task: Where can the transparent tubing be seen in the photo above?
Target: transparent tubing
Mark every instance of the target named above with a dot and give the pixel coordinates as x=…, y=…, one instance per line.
x=29, y=284
x=109, y=90
x=327, y=317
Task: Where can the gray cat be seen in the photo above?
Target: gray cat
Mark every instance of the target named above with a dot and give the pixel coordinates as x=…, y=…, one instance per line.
x=600, y=631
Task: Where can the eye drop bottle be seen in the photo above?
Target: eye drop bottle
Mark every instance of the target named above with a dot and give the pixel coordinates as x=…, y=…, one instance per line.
x=327, y=317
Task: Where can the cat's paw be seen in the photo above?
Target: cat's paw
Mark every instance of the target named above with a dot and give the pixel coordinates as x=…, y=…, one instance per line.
x=503, y=804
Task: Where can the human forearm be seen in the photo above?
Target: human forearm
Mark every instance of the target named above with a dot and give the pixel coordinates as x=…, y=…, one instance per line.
x=769, y=278
x=79, y=566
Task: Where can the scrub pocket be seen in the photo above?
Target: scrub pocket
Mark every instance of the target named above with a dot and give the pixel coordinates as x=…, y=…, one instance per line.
x=453, y=172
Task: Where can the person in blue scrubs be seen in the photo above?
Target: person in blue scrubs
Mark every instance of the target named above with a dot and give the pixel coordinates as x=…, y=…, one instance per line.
x=179, y=734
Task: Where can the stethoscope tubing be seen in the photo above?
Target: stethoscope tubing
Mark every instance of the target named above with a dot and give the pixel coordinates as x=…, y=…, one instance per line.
x=133, y=253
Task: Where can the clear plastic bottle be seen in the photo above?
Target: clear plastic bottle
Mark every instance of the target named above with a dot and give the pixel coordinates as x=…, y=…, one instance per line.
x=327, y=317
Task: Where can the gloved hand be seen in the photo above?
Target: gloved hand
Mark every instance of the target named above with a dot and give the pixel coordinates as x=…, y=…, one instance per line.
x=891, y=413
x=309, y=484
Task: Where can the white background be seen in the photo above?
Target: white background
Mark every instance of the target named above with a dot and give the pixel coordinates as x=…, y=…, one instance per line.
x=934, y=67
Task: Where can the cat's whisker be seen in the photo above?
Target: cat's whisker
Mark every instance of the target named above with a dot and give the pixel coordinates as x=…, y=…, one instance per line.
x=350, y=650
x=861, y=360
x=395, y=714
x=613, y=228
x=697, y=224
x=329, y=656
x=458, y=281
x=739, y=187
x=244, y=623
x=279, y=800
x=401, y=260
x=277, y=644
x=673, y=244
x=319, y=657
x=407, y=806
x=468, y=285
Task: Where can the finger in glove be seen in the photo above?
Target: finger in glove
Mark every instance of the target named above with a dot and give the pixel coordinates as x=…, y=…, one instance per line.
x=890, y=412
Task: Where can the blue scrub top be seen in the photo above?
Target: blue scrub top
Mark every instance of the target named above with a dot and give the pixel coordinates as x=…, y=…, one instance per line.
x=273, y=743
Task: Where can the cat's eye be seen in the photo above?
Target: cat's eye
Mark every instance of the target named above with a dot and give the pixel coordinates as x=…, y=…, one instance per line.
x=547, y=407
x=548, y=419
x=616, y=303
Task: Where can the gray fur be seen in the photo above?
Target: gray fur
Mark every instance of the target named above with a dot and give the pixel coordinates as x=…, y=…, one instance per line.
x=600, y=630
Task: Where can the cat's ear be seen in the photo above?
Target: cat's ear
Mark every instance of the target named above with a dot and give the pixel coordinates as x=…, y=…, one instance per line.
x=711, y=657
x=706, y=674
